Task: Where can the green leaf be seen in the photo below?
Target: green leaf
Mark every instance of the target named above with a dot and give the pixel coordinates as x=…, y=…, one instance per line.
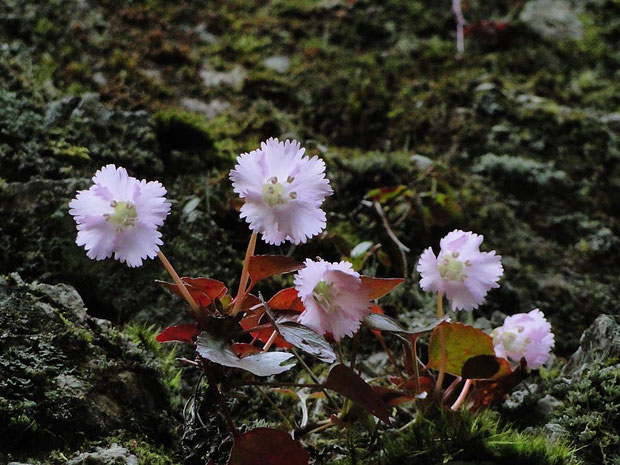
x=220, y=352
x=380, y=322
x=360, y=249
x=462, y=343
x=308, y=340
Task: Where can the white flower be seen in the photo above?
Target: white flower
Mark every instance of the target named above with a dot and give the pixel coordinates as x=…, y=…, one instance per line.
x=524, y=335
x=333, y=296
x=460, y=271
x=283, y=191
x=120, y=215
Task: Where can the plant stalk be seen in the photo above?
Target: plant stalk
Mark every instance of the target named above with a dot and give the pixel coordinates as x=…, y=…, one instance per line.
x=243, y=282
x=179, y=282
x=442, y=341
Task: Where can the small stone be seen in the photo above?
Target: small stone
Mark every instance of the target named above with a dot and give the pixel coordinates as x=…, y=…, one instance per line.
x=210, y=109
x=278, y=63
x=553, y=19
x=233, y=78
x=114, y=455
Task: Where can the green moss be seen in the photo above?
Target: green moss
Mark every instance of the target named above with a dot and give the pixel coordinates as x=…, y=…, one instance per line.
x=591, y=411
x=475, y=437
x=145, y=337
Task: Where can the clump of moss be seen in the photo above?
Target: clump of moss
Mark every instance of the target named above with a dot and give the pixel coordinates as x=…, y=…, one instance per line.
x=182, y=130
x=145, y=337
x=591, y=412
x=476, y=437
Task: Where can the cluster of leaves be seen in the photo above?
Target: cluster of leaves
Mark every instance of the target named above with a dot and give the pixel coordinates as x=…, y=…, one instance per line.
x=236, y=334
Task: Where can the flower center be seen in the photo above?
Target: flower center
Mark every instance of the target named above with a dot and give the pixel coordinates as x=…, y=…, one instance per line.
x=453, y=269
x=513, y=341
x=323, y=294
x=275, y=194
x=123, y=216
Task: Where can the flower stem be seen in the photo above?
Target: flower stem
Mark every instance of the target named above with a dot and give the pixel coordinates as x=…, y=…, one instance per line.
x=269, y=342
x=181, y=285
x=442, y=341
x=243, y=282
x=462, y=395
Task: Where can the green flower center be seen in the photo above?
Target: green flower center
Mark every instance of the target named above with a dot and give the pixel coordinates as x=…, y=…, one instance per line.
x=323, y=294
x=123, y=216
x=513, y=341
x=453, y=269
x=275, y=194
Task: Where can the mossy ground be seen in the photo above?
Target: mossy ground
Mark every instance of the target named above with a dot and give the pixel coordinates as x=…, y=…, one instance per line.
x=517, y=139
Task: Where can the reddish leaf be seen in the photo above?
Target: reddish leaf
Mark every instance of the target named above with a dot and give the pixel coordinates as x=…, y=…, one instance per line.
x=378, y=287
x=426, y=384
x=345, y=381
x=203, y=290
x=211, y=287
x=255, y=318
x=286, y=299
x=241, y=350
x=489, y=393
x=462, y=343
x=266, y=446
x=264, y=266
x=391, y=397
x=181, y=333
x=379, y=311
x=249, y=302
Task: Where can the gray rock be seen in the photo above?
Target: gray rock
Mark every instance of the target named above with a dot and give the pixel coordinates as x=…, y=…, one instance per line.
x=233, y=78
x=553, y=19
x=67, y=379
x=278, y=63
x=113, y=455
x=210, y=109
x=599, y=342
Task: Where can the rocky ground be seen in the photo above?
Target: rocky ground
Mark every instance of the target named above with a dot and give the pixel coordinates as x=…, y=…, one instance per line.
x=516, y=139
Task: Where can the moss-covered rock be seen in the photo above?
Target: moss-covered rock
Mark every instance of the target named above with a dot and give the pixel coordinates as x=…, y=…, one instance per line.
x=69, y=378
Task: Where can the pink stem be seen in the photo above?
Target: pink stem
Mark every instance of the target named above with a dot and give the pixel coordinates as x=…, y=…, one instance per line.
x=460, y=25
x=462, y=395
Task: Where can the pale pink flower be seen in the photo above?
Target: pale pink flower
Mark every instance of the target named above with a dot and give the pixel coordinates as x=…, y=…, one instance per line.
x=524, y=335
x=283, y=191
x=460, y=271
x=335, y=301
x=119, y=216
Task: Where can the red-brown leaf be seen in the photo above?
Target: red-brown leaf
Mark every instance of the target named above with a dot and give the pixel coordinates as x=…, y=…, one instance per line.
x=379, y=311
x=203, y=290
x=392, y=397
x=345, y=381
x=241, y=349
x=286, y=299
x=181, y=333
x=266, y=446
x=211, y=287
x=264, y=266
x=378, y=287
x=255, y=318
